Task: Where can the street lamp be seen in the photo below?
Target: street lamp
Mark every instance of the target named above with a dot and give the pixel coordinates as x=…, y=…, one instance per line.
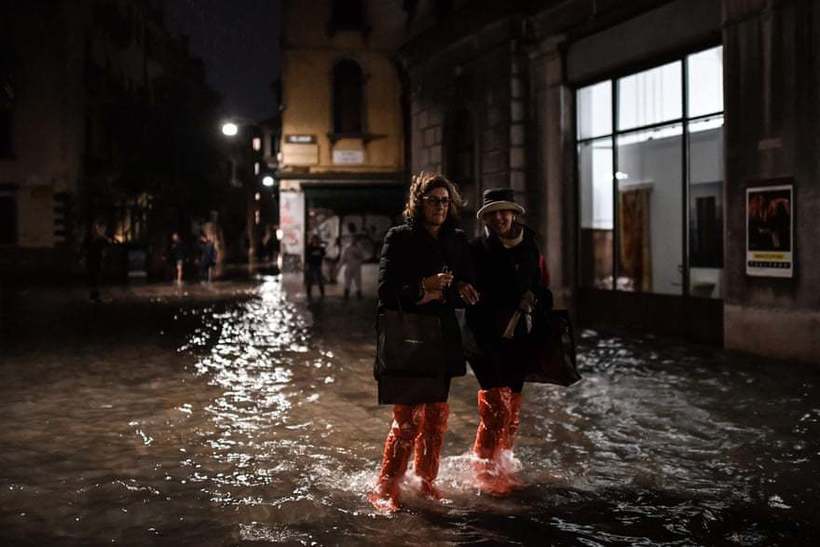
x=268, y=181
x=230, y=129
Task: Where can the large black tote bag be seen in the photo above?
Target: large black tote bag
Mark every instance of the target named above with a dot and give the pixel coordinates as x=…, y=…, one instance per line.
x=409, y=345
x=551, y=350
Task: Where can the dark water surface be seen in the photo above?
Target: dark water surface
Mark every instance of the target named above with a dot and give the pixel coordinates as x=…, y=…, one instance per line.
x=232, y=415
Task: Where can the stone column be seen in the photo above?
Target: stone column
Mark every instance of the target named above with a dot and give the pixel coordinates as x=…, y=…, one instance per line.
x=553, y=195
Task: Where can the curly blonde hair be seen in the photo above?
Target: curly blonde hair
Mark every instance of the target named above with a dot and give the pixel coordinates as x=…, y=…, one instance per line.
x=422, y=184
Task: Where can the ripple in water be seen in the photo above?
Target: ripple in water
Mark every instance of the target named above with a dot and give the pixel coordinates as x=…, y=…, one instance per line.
x=261, y=427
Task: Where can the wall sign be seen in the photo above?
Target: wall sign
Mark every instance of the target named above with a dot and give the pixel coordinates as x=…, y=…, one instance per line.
x=348, y=157
x=300, y=139
x=770, y=231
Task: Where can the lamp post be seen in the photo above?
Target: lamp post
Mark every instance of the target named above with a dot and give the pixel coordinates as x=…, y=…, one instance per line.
x=248, y=151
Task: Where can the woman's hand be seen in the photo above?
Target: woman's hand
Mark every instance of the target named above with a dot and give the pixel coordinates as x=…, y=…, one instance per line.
x=433, y=287
x=431, y=296
x=438, y=282
x=467, y=293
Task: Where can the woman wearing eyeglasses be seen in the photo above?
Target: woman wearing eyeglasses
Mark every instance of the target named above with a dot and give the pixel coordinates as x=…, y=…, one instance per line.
x=425, y=268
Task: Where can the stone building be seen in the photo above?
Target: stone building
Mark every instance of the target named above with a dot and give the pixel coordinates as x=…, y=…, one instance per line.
x=665, y=151
x=342, y=154
x=90, y=127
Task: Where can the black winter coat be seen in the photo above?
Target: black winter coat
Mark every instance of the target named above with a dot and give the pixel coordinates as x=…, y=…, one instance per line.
x=502, y=277
x=409, y=254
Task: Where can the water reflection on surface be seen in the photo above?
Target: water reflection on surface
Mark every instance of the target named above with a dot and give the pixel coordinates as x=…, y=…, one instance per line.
x=240, y=416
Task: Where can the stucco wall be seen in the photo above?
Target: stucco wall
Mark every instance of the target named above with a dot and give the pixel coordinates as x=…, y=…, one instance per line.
x=772, y=131
x=309, y=54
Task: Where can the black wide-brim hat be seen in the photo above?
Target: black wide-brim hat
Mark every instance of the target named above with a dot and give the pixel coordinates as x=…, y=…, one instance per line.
x=498, y=199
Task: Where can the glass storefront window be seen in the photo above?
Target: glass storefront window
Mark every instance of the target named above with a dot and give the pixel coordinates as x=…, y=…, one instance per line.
x=595, y=172
x=706, y=207
x=650, y=253
x=650, y=97
x=705, y=82
x=595, y=110
x=633, y=198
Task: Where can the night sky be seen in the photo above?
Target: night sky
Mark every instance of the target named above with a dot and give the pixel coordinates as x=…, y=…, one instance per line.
x=239, y=42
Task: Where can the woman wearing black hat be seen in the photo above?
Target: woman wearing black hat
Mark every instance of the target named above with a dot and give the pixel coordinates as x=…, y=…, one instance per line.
x=425, y=268
x=510, y=281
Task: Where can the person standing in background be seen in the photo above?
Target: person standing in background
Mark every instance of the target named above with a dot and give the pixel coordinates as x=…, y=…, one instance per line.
x=314, y=257
x=207, y=257
x=352, y=258
x=94, y=247
x=176, y=254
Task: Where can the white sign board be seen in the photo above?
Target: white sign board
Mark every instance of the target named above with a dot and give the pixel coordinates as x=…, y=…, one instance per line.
x=348, y=157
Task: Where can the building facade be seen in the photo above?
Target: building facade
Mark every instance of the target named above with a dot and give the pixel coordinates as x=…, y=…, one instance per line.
x=665, y=151
x=342, y=169
x=101, y=116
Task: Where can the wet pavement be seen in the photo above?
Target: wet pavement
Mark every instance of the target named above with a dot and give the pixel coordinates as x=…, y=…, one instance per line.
x=238, y=414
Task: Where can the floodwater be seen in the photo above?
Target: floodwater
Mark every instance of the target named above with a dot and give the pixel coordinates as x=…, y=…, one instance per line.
x=238, y=415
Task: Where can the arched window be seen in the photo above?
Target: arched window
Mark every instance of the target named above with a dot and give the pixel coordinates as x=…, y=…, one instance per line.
x=348, y=98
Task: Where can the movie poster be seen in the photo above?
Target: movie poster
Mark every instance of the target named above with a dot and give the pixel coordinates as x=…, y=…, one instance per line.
x=769, y=231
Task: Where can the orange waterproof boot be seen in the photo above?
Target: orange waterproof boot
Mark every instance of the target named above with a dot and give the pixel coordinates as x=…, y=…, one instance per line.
x=513, y=421
x=397, y=450
x=493, y=413
x=507, y=463
x=433, y=425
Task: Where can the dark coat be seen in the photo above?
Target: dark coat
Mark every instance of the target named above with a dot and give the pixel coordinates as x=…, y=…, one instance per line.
x=502, y=277
x=409, y=254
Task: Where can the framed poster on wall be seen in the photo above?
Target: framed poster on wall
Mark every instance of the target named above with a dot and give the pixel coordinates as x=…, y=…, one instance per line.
x=770, y=231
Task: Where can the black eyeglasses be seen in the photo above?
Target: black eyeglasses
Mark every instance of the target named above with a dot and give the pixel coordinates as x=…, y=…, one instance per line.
x=434, y=201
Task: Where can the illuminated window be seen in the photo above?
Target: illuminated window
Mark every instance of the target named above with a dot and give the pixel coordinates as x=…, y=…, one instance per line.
x=347, y=98
x=647, y=143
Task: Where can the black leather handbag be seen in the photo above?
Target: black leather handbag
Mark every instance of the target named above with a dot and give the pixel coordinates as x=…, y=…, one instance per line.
x=409, y=344
x=551, y=349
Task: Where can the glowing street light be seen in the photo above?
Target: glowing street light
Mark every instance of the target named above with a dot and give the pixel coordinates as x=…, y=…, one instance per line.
x=230, y=129
x=267, y=181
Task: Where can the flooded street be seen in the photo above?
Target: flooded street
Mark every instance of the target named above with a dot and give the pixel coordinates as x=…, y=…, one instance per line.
x=239, y=415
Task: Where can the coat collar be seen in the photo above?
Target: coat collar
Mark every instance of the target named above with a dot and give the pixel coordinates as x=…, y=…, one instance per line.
x=493, y=242
x=447, y=228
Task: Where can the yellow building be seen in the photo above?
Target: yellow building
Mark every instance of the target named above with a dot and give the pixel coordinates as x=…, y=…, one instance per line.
x=342, y=160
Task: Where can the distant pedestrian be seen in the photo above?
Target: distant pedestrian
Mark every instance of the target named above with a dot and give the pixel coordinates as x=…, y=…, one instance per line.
x=94, y=247
x=207, y=257
x=314, y=257
x=176, y=255
x=352, y=258
x=333, y=257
